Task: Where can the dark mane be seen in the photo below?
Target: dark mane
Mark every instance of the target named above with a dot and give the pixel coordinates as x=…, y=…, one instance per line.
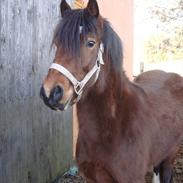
x=113, y=46
x=67, y=35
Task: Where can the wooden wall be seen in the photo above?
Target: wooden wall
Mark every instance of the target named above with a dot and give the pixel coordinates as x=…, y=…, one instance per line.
x=35, y=142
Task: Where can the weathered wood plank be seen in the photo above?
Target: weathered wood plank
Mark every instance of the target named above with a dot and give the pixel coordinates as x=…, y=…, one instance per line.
x=35, y=143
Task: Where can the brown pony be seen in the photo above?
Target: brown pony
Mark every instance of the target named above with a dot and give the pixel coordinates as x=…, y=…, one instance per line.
x=125, y=128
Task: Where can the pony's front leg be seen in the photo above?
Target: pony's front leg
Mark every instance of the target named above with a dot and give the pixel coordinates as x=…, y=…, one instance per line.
x=165, y=168
x=102, y=176
x=96, y=173
x=88, y=180
x=166, y=173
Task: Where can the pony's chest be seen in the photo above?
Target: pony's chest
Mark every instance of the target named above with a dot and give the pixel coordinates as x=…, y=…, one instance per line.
x=91, y=149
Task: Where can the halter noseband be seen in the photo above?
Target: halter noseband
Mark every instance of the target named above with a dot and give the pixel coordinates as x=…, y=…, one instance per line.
x=79, y=85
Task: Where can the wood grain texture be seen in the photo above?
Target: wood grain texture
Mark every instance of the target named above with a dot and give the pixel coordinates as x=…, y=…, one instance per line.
x=35, y=142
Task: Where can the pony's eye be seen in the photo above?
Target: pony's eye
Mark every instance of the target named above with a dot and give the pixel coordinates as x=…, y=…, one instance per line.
x=90, y=44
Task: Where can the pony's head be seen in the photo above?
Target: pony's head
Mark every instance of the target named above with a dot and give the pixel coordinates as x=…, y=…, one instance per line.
x=79, y=39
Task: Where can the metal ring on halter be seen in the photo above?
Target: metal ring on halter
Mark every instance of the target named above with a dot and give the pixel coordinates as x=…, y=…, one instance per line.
x=78, y=88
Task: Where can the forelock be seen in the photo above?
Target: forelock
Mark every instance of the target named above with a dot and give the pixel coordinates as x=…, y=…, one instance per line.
x=74, y=25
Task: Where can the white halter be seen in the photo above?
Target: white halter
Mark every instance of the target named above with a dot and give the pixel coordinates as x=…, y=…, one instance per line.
x=79, y=85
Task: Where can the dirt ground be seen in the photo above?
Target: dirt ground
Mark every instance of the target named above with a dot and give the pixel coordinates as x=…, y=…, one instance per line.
x=178, y=173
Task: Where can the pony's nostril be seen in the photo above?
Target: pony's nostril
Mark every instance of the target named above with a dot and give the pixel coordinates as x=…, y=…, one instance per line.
x=56, y=94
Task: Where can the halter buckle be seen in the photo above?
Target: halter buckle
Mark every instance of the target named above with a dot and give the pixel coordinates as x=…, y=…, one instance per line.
x=78, y=88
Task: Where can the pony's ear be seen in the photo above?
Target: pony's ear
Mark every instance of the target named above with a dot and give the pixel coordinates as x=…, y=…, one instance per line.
x=63, y=7
x=93, y=8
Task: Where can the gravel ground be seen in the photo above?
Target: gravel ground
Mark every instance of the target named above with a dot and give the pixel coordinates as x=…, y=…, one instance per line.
x=71, y=179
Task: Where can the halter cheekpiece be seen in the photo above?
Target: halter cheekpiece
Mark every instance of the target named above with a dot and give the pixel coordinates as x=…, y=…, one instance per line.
x=79, y=85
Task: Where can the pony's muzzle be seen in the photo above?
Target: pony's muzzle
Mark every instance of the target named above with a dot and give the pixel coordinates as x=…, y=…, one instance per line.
x=56, y=95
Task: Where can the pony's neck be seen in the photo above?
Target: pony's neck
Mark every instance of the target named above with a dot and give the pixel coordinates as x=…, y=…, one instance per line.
x=116, y=94
x=106, y=115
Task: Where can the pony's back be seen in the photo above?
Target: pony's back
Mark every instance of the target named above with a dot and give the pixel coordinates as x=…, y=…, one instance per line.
x=160, y=81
